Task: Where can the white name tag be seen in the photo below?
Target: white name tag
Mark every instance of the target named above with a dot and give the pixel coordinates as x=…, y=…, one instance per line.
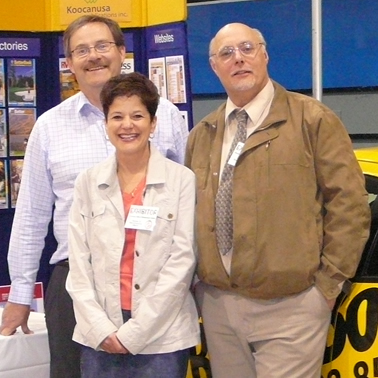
x=142, y=217
x=235, y=155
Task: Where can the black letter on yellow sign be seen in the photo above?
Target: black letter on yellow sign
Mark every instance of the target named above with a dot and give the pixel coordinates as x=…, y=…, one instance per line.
x=349, y=326
x=359, y=342
x=364, y=366
x=333, y=374
x=375, y=365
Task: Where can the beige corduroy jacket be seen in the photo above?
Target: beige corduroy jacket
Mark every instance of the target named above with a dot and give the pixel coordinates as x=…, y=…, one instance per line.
x=301, y=214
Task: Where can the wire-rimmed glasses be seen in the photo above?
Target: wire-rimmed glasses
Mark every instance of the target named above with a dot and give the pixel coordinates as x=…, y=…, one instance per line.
x=247, y=49
x=83, y=51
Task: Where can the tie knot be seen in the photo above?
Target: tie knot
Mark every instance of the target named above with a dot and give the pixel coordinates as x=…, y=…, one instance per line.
x=242, y=116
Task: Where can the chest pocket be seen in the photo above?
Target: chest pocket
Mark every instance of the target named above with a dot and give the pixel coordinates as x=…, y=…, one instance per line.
x=94, y=217
x=93, y=210
x=104, y=231
x=165, y=223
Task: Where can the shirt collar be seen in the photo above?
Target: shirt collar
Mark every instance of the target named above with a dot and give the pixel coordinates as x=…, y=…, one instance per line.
x=84, y=106
x=256, y=106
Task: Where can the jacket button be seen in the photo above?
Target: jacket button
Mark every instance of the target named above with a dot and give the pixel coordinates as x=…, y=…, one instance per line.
x=137, y=287
x=170, y=216
x=234, y=286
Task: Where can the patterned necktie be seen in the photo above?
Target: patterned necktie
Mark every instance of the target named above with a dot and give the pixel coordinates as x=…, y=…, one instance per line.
x=223, y=199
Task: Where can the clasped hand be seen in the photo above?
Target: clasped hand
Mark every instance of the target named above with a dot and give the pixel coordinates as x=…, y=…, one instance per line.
x=112, y=345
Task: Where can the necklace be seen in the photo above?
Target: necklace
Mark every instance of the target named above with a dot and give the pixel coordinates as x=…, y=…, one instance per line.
x=133, y=192
x=130, y=183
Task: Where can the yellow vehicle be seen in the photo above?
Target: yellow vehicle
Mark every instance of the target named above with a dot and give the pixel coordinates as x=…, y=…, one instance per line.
x=352, y=346
x=199, y=364
x=368, y=159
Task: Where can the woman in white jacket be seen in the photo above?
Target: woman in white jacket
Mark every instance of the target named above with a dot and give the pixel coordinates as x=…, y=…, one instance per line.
x=131, y=252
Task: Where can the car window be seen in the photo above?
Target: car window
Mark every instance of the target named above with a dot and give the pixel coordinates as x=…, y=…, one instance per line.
x=371, y=183
x=368, y=266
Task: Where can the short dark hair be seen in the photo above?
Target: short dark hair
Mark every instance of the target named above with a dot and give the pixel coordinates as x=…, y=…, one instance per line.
x=84, y=20
x=127, y=85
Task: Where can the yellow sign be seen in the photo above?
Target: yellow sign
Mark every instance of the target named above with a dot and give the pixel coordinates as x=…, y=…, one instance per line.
x=117, y=10
x=199, y=364
x=352, y=347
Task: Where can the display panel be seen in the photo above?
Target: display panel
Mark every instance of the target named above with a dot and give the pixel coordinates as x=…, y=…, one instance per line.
x=18, y=111
x=168, y=65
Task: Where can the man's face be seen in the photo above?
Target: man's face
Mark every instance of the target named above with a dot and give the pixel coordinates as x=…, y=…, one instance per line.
x=243, y=76
x=95, y=69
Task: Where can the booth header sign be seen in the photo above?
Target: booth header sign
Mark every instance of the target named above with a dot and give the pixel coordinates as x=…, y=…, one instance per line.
x=19, y=47
x=159, y=38
x=117, y=10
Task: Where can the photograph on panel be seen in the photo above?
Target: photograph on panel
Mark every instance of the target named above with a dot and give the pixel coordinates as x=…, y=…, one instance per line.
x=3, y=185
x=15, y=179
x=21, y=82
x=176, y=79
x=21, y=122
x=68, y=84
x=3, y=134
x=2, y=83
x=156, y=73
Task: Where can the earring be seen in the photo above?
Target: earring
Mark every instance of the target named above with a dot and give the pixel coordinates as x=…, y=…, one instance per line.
x=152, y=135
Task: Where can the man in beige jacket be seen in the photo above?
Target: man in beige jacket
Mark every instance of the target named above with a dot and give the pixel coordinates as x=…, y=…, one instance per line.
x=299, y=216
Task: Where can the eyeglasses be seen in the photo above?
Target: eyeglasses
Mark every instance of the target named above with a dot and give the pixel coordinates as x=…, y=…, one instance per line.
x=101, y=47
x=248, y=49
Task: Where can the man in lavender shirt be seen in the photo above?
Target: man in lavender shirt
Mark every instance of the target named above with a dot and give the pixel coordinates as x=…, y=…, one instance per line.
x=66, y=140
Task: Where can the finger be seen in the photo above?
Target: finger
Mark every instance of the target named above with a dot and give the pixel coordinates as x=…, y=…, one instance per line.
x=6, y=331
x=26, y=329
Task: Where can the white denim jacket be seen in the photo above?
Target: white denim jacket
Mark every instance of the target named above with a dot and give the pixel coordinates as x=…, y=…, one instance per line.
x=164, y=317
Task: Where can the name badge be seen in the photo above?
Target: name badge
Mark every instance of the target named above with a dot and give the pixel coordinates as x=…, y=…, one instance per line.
x=235, y=155
x=142, y=217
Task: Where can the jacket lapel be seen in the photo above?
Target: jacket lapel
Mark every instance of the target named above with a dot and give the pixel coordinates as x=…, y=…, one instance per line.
x=217, y=129
x=107, y=183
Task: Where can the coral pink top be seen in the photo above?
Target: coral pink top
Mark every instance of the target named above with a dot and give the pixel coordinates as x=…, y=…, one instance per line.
x=127, y=261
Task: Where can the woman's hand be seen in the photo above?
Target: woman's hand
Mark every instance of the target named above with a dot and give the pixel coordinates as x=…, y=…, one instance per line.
x=112, y=345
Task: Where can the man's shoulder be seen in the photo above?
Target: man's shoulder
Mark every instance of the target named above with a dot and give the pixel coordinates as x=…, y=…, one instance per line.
x=104, y=164
x=99, y=171
x=297, y=97
x=166, y=107
x=204, y=132
x=210, y=120
x=310, y=108
x=163, y=102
